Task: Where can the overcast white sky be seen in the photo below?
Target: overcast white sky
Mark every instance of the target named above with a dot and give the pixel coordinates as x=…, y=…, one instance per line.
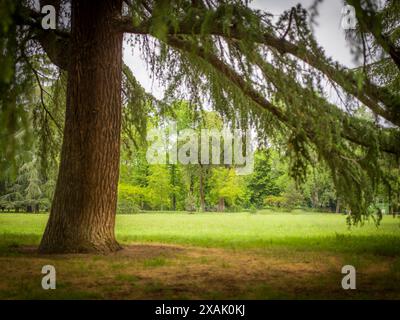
x=328, y=32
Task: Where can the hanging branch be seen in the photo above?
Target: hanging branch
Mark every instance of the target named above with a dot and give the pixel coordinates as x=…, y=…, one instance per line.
x=41, y=94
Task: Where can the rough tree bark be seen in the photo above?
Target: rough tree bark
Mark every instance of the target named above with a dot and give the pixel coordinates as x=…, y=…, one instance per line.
x=221, y=205
x=82, y=217
x=337, y=205
x=201, y=190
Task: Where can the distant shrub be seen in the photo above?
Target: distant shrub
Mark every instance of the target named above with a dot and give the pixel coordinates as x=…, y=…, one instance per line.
x=190, y=203
x=275, y=201
x=129, y=198
x=289, y=200
x=234, y=208
x=125, y=207
x=253, y=209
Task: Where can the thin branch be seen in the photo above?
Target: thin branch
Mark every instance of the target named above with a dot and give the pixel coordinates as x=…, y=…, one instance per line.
x=289, y=25
x=41, y=94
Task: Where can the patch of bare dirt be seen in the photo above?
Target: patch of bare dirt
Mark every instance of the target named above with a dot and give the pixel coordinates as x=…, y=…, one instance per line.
x=199, y=273
x=149, y=251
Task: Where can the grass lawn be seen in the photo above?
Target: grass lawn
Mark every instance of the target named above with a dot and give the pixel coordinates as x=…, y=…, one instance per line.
x=210, y=256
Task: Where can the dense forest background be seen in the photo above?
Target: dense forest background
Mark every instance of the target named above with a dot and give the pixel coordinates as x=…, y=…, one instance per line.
x=177, y=187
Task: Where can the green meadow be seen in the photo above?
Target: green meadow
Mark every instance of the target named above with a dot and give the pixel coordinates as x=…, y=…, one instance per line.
x=211, y=255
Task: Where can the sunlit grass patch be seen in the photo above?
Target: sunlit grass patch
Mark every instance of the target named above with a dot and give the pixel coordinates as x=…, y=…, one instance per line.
x=209, y=256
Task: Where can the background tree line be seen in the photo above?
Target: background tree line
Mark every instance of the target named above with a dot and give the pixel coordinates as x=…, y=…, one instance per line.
x=177, y=187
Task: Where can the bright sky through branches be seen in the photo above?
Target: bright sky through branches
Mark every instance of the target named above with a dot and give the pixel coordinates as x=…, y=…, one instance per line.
x=329, y=35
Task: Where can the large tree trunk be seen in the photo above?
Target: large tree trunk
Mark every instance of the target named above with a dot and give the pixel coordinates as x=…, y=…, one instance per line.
x=221, y=205
x=337, y=205
x=173, y=182
x=82, y=217
x=201, y=190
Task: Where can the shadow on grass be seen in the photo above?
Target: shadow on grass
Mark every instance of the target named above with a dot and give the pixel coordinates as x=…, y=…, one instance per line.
x=384, y=245
x=11, y=243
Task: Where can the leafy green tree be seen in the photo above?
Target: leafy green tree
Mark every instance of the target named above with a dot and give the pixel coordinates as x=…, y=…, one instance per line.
x=293, y=197
x=26, y=191
x=130, y=198
x=226, y=188
x=319, y=190
x=262, y=182
x=159, y=188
